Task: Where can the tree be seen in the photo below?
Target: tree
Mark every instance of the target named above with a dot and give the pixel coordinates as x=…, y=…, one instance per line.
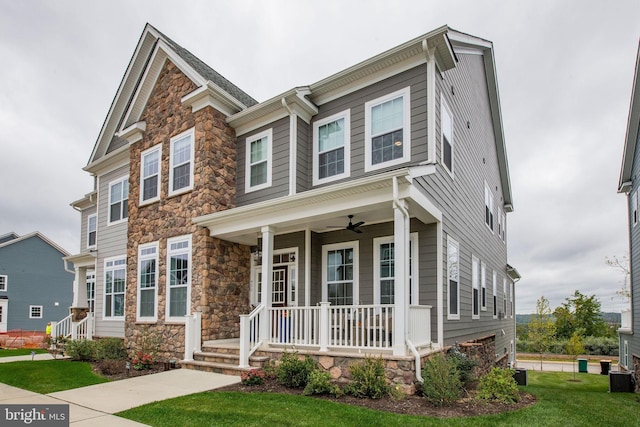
x=575, y=347
x=542, y=330
x=580, y=314
x=622, y=265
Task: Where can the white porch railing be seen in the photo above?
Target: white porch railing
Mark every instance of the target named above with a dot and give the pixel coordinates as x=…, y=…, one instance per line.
x=83, y=330
x=420, y=325
x=625, y=320
x=250, y=334
x=61, y=328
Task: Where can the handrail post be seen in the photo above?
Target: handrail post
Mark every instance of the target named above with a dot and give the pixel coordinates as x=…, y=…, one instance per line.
x=324, y=326
x=244, y=340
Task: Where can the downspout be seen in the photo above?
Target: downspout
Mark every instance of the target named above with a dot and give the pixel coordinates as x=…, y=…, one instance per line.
x=293, y=142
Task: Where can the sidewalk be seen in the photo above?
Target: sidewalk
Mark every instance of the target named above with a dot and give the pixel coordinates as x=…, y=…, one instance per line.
x=93, y=406
x=557, y=366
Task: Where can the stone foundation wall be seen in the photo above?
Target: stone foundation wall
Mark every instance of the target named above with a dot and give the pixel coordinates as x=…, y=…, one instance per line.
x=636, y=369
x=483, y=351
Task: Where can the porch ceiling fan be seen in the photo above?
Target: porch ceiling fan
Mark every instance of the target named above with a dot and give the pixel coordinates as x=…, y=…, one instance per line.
x=351, y=226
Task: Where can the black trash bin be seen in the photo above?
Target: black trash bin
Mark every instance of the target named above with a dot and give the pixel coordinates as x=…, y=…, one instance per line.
x=520, y=375
x=605, y=367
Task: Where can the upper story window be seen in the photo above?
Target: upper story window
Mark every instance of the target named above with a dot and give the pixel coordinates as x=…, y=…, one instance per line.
x=488, y=206
x=331, y=147
x=178, y=277
x=150, y=175
x=446, y=125
x=115, y=272
x=92, y=230
x=147, y=281
x=502, y=223
x=258, y=164
x=3, y=282
x=119, y=200
x=453, y=275
x=388, y=130
x=181, y=171
x=340, y=273
x=634, y=207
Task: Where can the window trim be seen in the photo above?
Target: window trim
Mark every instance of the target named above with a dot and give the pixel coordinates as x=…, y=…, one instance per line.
x=489, y=220
x=187, y=238
x=346, y=115
x=444, y=108
x=504, y=298
x=39, y=307
x=110, y=186
x=89, y=218
x=247, y=175
x=156, y=148
x=451, y=242
x=141, y=258
x=483, y=286
x=173, y=140
x=495, y=294
x=634, y=208
x=355, y=245
x=104, y=293
x=475, y=287
x=405, y=93
x=6, y=282
x=413, y=269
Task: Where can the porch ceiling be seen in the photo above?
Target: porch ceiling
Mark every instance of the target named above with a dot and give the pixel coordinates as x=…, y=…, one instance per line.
x=322, y=210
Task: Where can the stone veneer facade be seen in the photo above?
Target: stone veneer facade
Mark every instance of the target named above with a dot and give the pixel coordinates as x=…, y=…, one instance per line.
x=220, y=270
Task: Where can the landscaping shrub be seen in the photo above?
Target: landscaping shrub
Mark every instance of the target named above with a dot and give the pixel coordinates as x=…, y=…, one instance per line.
x=368, y=379
x=270, y=369
x=464, y=364
x=111, y=349
x=252, y=377
x=111, y=366
x=499, y=385
x=81, y=350
x=442, y=385
x=294, y=372
x=320, y=383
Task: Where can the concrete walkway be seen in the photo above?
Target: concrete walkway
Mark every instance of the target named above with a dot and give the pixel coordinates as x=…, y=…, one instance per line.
x=556, y=366
x=93, y=406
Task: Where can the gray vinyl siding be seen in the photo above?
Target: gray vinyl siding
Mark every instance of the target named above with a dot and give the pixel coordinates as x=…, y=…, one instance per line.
x=112, y=242
x=461, y=197
x=634, y=243
x=85, y=214
x=304, y=148
x=279, y=169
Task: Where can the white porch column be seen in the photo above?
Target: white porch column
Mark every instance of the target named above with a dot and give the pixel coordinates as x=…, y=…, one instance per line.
x=267, y=278
x=80, y=288
x=401, y=276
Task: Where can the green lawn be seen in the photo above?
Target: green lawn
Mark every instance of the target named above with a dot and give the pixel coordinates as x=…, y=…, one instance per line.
x=560, y=402
x=20, y=351
x=48, y=376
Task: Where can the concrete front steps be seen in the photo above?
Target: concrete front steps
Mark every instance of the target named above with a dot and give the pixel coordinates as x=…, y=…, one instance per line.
x=222, y=357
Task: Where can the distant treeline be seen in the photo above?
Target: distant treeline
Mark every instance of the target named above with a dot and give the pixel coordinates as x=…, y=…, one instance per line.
x=523, y=319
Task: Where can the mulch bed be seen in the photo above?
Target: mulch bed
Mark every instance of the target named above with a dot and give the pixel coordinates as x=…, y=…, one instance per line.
x=468, y=406
x=117, y=369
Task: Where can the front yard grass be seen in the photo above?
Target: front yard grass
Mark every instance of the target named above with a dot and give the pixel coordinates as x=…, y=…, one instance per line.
x=560, y=402
x=48, y=376
x=4, y=352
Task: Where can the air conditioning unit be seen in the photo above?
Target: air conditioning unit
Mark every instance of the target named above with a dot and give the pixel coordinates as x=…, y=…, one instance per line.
x=620, y=382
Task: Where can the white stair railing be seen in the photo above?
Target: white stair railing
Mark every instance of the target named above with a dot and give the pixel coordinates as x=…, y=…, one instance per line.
x=250, y=338
x=83, y=330
x=61, y=328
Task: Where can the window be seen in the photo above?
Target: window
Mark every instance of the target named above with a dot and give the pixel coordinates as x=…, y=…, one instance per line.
x=35, y=312
x=453, y=274
x=91, y=289
x=387, y=130
x=446, y=124
x=495, y=295
x=483, y=281
x=475, y=279
x=625, y=354
x=634, y=207
x=488, y=206
x=119, y=200
x=147, y=281
x=178, y=277
x=115, y=272
x=258, y=163
x=150, y=175
x=511, y=300
x=504, y=298
x=92, y=229
x=4, y=279
x=384, y=273
x=331, y=147
x=502, y=219
x=181, y=171
x=340, y=273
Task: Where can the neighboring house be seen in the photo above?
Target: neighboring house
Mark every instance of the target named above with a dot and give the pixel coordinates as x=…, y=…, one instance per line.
x=630, y=185
x=34, y=286
x=370, y=206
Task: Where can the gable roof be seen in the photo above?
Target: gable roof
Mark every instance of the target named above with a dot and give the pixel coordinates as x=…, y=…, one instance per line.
x=35, y=234
x=152, y=50
x=8, y=236
x=631, y=137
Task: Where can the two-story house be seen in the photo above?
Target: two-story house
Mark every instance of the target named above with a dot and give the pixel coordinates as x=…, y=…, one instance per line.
x=361, y=214
x=629, y=184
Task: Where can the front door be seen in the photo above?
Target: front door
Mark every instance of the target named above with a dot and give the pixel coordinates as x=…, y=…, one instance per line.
x=4, y=306
x=280, y=287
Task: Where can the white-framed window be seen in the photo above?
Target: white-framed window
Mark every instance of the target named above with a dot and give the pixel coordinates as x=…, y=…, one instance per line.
x=115, y=279
x=340, y=273
x=453, y=279
x=475, y=286
x=4, y=281
x=634, y=207
x=150, y=174
x=503, y=234
x=625, y=354
x=178, y=278
x=483, y=290
x=504, y=298
x=384, y=269
x=488, y=206
x=147, y=282
x=90, y=280
x=258, y=162
x=35, y=312
x=495, y=295
x=511, y=291
x=119, y=200
x=388, y=130
x=181, y=161
x=92, y=230
x=446, y=126
x=331, y=148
